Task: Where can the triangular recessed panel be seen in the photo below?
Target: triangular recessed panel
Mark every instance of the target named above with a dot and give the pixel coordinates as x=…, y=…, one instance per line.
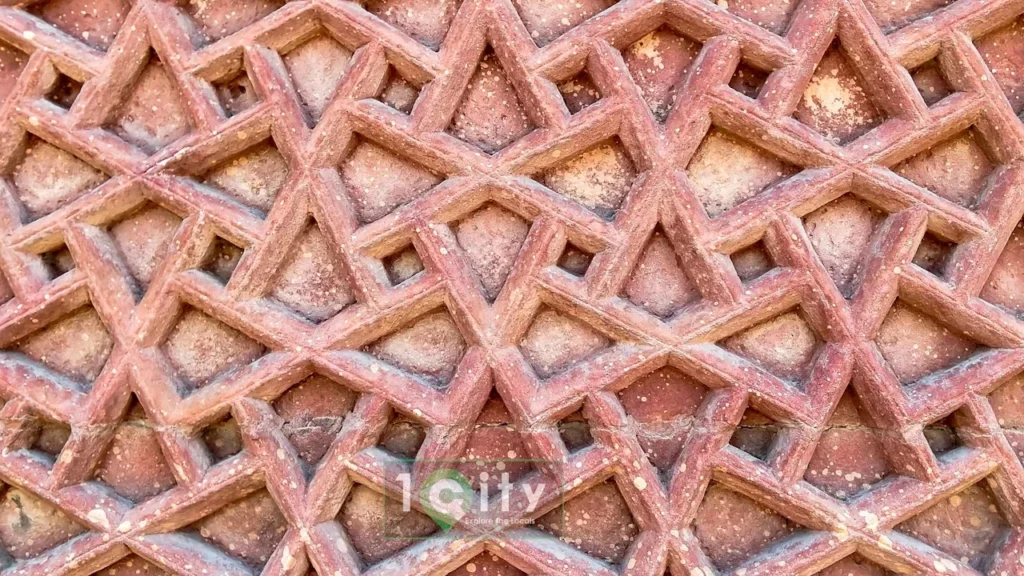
x=75, y=346
x=247, y=530
x=967, y=525
x=253, y=177
x=153, y=114
x=48, y=178
x=487, y=564
x=1005, y=286
x=491, y=238
x=658, y=63
x=772, y=16
x=311, y=280
x=379, y=180
x=733, y=528
x=429, y=347
x=134, y=465
x=495, y=450
x=1008, y=406
x=598, y=178
x=316, y=68
x=50, y=527
x=784, y=346
x=835, y=102
x=555, y=341
x=727, y=170
x=143, y=237
x=598, y=523
x=378, y=527
x=893, y=16
x=427, y=22
x=12, y=60
x=132, y=565
x=658, y=282
x=1002, y=50
x=916, y=345
x=217, y=19
x=855, y=565
x=850, y=457
x=97, y=26
x=188, y=348
x=546, y=21
x=930, y=169
x=490, y=114
x=313, y=412
x=841, y=233
x=663, y=404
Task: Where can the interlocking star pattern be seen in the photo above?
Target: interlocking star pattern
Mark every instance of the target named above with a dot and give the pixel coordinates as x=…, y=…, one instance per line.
x=770, y=249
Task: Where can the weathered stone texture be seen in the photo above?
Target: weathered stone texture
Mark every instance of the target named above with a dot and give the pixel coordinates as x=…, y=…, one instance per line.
x=742, y=280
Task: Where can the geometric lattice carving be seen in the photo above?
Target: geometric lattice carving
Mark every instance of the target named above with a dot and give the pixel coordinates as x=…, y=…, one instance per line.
x=742, y=282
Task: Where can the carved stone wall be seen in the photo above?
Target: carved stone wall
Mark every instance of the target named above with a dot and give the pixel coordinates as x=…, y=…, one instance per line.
x=743, y=280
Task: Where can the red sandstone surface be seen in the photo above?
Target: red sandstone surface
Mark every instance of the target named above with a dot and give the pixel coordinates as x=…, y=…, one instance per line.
x=744, y=279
